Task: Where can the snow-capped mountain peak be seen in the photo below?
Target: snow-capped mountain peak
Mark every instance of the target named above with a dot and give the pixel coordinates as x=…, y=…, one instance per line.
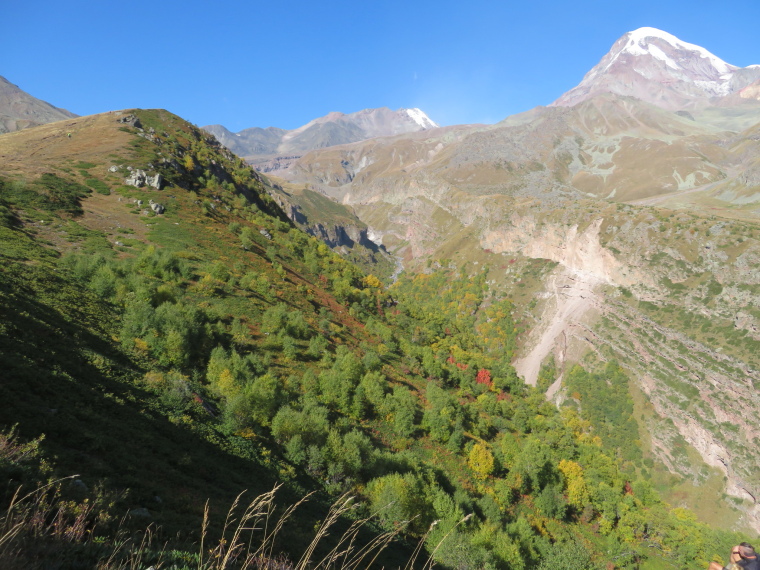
x=644, y=42
x=659, y=68
x=419, y=117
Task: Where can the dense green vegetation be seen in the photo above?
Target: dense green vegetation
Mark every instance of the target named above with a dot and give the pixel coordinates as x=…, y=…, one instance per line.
x=230, y=351
x=604, y=400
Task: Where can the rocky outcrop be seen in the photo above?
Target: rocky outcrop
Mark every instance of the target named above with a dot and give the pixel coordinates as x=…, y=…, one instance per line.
x=578, y=250
x=129, y=120
x=139, y=178
x=339, y=236
x=274, y=164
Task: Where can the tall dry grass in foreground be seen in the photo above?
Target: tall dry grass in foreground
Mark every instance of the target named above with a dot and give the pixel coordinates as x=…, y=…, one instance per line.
x=41, y=530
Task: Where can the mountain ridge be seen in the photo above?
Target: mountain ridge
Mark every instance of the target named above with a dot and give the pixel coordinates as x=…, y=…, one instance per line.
x=19, y=110
x=259, y=145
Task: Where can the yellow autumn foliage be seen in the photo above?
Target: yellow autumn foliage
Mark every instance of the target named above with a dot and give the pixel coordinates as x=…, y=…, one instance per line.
x=481, y=460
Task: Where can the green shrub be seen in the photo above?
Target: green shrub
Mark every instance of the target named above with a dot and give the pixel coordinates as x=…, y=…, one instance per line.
x=98, y=185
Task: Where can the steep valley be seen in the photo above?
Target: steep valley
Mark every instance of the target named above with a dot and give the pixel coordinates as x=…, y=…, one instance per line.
x=185, y=340
x=532, y=344
x=672, y=295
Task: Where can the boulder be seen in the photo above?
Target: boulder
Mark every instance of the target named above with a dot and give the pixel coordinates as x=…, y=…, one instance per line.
x=79, y=485
x=155, y=181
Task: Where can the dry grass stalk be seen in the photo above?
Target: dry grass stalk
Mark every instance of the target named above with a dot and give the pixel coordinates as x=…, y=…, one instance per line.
x=247, y=541
x=430, y=561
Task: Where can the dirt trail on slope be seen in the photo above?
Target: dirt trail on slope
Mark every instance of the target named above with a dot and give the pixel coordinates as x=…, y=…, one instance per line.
x=571, y=296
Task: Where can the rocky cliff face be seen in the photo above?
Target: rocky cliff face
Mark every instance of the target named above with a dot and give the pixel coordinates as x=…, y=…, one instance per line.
x=335, y=225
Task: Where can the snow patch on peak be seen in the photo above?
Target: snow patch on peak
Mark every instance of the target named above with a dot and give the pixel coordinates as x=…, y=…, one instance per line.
x=647, y=32
x=419, y=117
x=662, y=56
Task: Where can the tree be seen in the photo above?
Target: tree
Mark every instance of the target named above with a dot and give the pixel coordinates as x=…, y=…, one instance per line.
x=403, y=406
x=440, y=417
x=289, y=348
x=273, y=319
x=481, y=460
x=400, y=499
x=265, y=397
x=577, y=490
x=317, y=346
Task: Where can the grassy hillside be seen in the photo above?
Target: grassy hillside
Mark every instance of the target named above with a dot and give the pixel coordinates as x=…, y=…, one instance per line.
x=166, y=360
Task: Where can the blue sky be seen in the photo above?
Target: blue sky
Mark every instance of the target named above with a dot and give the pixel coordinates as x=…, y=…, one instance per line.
x=246, y=64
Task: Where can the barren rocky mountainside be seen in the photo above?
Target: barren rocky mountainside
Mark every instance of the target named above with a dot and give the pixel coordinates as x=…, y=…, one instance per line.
x=19, y=110
x=272, y=148
x=625, y=226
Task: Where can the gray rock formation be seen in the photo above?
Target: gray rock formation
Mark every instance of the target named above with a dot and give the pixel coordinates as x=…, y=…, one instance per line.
x=130, y=120
x=155, y=181
x=139, y=179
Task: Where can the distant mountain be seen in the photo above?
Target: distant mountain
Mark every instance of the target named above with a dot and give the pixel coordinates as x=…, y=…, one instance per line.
x=658, y=68
x=260, y=146
x=19, y=110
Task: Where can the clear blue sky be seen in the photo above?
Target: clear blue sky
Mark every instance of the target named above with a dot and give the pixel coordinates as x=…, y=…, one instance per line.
x=250, y=63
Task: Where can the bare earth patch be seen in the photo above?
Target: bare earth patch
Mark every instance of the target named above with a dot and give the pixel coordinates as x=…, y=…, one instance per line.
x=571, y=297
